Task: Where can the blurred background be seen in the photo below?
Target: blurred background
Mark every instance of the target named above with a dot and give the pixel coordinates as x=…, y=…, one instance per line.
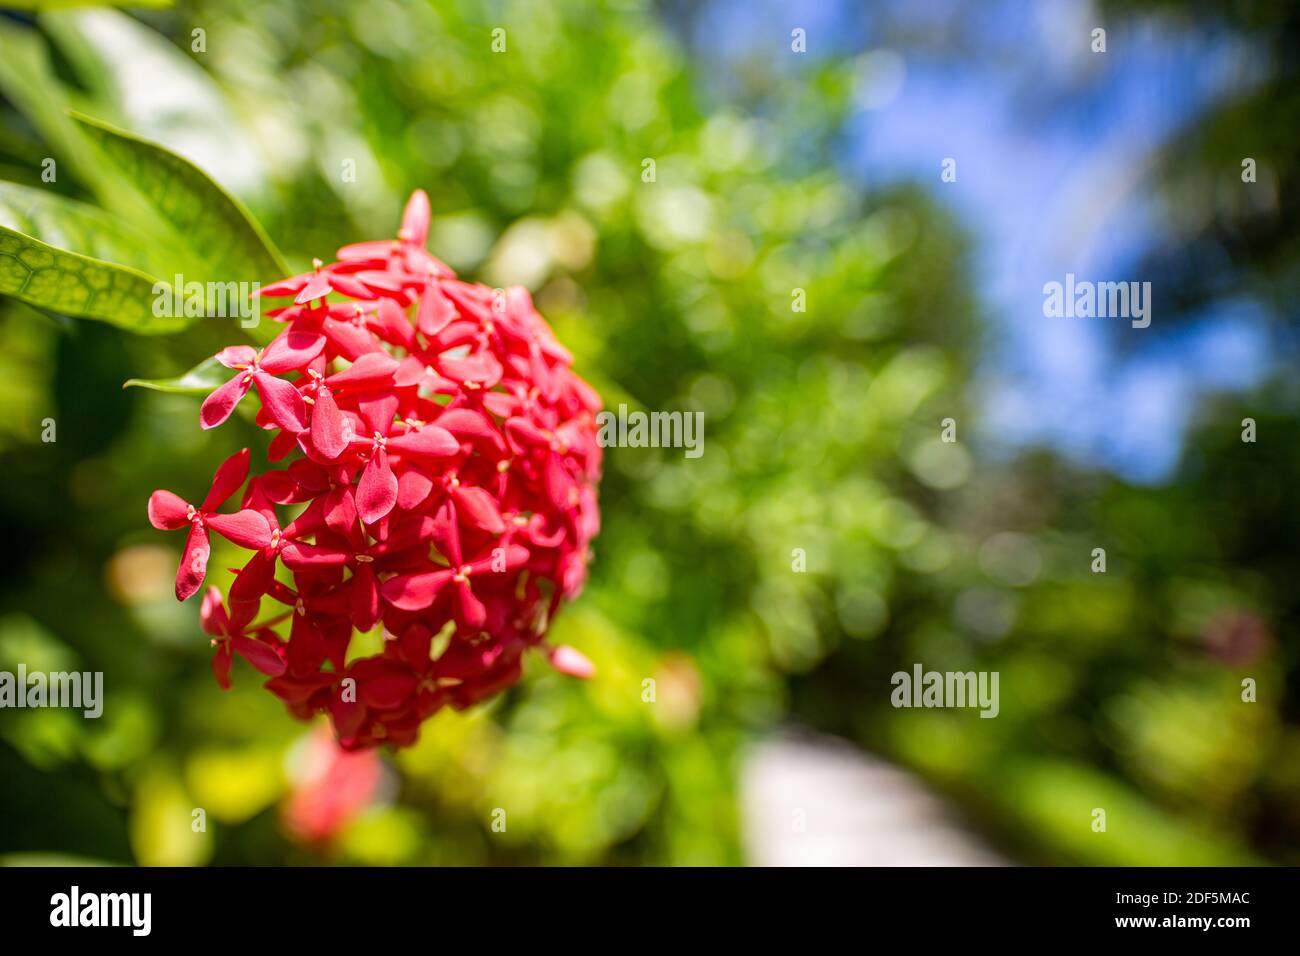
x=770, y=737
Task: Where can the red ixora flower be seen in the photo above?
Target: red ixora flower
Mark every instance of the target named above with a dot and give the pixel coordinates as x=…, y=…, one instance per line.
x=440, y=459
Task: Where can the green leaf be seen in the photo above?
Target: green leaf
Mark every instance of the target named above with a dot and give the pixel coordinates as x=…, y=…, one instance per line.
x=206, y=219
x=203, y=378
x=78, y=227
x=77, y=285
x=27, y=80
x=63, y=4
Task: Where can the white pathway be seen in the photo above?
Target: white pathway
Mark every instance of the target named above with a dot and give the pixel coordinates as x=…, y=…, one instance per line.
x=812, y=800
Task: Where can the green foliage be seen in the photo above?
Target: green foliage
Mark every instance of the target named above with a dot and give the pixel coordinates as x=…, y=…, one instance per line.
x=162, y=215
x=822, y=435
x=69, y=224
x=78, y=285
x=200, y=380
x=213, y=228
x=58, y=4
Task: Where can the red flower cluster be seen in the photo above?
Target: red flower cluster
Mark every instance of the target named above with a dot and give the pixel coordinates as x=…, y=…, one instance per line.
x=443, y=476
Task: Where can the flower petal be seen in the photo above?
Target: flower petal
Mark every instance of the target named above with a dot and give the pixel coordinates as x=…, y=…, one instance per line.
x=212, y=615
x=365, y=598
x=377, y=414
x=248, y=528
x=340, y=510
x=414, y=592
x=317, y=287
x=282, y=402
x=369, y=371
x=237, y=356
x=478, y=508
x=194, y=562
x=571, y=661
x=327, y=433
x=228, y=479
x=378, y=249
x=350, y=341
x=391, y=323
x=260, y=654
x=167, y=511
x=386, y=686
x=524, y=434
x=345, y=284
x=377, y=490
x=558, y=482
x=306, y=557
x=500, y=560
x=470, y=423
x=221, y=662
x=251, y=582
x=470, y=611
x=436, y=311
x=415, y=219
x=292, y=350
x=428, y=442
x=284, y=287
x=482, y=369
x=413, y=487
x=218, y=406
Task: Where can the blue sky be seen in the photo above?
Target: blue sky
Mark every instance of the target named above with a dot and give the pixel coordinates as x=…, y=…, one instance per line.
x=1054, y=146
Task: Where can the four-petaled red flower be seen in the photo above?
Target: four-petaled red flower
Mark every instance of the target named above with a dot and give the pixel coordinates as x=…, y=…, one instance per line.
x=248, y=528
x=441, y=459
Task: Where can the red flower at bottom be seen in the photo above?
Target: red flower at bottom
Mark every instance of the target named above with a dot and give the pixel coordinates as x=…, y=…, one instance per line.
x=330, y=788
